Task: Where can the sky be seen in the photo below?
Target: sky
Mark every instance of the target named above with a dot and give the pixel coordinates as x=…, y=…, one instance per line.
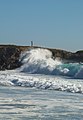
x=48, y=23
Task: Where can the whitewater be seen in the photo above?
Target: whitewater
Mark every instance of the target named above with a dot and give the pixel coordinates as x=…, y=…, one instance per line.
x=44, y=87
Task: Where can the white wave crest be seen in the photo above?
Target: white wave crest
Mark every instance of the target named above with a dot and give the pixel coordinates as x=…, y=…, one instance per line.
x=11, y=78
x=41, y=61
x=38, y=61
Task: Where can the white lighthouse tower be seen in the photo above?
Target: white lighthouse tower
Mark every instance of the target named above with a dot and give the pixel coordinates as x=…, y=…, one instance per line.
x=31, y=43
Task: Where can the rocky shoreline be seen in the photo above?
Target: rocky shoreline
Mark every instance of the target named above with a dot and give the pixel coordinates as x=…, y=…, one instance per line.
x=9, y=55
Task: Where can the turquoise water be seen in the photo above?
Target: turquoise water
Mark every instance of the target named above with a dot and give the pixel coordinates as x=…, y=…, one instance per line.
x=70, y=69
x=20, y=103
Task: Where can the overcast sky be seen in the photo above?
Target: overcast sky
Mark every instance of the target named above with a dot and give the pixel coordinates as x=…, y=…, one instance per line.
x=49, y=23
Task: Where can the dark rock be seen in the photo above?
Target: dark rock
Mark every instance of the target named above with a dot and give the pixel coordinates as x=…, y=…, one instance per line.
x=9, y=57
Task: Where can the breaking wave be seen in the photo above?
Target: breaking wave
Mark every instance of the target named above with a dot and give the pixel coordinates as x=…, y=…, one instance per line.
x=45, y=82
x=40, y=70
x=41, y=61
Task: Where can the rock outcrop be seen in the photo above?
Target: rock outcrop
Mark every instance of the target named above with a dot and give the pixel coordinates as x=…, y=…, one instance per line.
x=9, y=55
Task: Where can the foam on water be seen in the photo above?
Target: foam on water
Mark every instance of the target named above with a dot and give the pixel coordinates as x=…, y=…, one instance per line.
x=41, y=61
x=11, y=78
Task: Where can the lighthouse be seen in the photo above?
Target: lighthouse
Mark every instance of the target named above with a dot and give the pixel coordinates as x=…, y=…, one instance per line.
x=31, y=43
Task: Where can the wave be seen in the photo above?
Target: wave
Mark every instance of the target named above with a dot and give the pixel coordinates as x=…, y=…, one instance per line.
x=41, y=70
x=38, y=61
x=45, y=82
x=41, y=61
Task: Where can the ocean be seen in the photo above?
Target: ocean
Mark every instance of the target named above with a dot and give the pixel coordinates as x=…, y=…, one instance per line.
x=43, y=88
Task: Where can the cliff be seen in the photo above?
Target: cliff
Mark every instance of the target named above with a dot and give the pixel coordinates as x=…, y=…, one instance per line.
x=9, y=55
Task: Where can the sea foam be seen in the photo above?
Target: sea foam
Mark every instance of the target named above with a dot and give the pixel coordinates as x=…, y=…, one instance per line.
x=44, y=82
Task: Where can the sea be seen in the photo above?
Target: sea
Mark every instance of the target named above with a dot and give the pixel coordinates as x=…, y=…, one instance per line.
x=43, y=88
